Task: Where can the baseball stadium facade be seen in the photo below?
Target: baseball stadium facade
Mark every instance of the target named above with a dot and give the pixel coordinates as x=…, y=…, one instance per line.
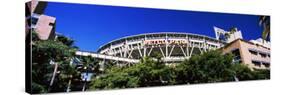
x=173, y=47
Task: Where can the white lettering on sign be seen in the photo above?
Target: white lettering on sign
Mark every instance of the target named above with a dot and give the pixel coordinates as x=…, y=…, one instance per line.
x=163, y=41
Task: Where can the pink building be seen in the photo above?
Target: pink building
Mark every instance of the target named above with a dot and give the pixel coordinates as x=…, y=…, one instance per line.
x=36, y=21
x=252, y=54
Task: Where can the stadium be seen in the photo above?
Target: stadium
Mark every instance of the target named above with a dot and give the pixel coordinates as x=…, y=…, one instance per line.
x=173, y=47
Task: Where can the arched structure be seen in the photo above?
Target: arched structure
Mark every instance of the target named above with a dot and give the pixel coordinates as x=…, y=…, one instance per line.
x=171, y=46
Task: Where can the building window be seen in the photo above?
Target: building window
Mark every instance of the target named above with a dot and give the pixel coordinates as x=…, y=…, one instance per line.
x=237, y=57
x=256, y=63
x=34, y=20
x=51, y=24
x=268, y=55
x=266, y=65
x=263, y=55
x=253, y=52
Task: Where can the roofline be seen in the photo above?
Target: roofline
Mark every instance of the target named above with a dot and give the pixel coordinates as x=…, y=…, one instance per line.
x=184, y=33
x=243, y=41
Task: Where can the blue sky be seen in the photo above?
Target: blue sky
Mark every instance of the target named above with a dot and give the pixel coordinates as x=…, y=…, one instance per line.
x=93, y=25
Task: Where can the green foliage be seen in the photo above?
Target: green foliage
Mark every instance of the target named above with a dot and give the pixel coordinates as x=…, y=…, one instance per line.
x=262, y=74
x=43, y=51
x=37, y=88
x=208, y=67
x=264, y=21
x=90, y=64
x=52, y=50
x=65, y=40
x=67, y=72
x=146, y=73
x=242, y=72
x=108, y=65
x=34, y=36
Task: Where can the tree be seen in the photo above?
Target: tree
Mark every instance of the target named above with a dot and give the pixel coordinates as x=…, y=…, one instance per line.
x=53, y=51
x=212, y=66
x=65, y=40
x=242, y=72
x=264, y=21
x=45, y=52
x=67, y=75
x=108, y=65
x=261, y=74
x=89, y=66
x=152, y=73
x=34, y=36
x=208, y=67
x=146, y=73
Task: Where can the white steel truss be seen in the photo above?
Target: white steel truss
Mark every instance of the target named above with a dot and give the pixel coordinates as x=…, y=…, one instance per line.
x=172, y=46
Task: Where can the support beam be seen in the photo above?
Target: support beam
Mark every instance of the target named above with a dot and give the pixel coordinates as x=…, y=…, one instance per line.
x=187, y=50
x=171, y=51
x=120, y=51
x=166, y=43
x=139, y=50
x=107, y=57
x=125, y=50
x=191, y=50
x=150, y=51
x=200, y=49
x=183, y=51
x=130, y=54
x=187, y=46
x=162, y=52
x=144, y=51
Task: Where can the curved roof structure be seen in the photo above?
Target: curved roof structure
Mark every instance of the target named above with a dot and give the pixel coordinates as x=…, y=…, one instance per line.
x=145, y=35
